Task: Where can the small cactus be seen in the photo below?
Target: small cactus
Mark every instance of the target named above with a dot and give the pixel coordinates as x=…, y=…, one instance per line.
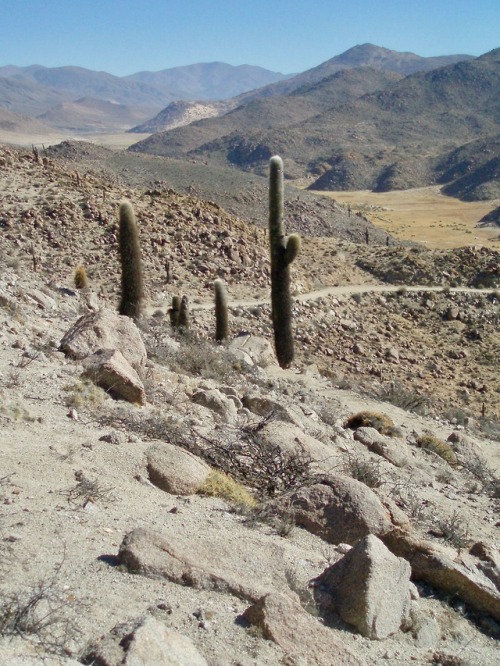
x=184, y=313
x=81, y=279
x=174, y=311
x=221, y=311
x=130, y=255
x=283, y=252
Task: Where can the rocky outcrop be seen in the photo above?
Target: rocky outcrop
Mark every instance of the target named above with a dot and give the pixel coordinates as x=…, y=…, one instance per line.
x=174, y=470
x=299, y=635
x=369, y=588
x=105, y=329
x=143, y=642
x=110, y=370
x=340, y=510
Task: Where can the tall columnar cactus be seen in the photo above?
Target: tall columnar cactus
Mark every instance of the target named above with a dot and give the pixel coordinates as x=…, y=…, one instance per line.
x=283, y=252
x=130, y=255
x=221, y=311
x=174, y=311
x=183, y=321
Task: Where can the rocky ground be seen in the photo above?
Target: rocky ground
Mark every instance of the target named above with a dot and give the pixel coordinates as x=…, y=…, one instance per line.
x=111, y=513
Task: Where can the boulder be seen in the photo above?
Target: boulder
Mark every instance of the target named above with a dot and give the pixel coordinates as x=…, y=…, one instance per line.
x=369, y=588
x=144, y=642
x=175, y=470
x=393, y=451
x=217, y=402
x=340, y=510
x=105, y=329
x=253, y=349
x=435, y=566
x=298, y=634
x=111, y=371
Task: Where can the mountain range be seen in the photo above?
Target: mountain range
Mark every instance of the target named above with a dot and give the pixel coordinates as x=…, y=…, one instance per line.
x=361, y=129
x=369, y=118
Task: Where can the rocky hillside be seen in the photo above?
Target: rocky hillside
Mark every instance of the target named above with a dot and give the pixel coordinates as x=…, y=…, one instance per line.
x=166, y=499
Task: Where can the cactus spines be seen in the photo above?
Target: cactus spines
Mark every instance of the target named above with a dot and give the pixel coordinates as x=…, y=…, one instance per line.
x=221, y=311
x=174, y=311
x=184, y=313
x=283, y=252
x=130, y=255
x=81, y=279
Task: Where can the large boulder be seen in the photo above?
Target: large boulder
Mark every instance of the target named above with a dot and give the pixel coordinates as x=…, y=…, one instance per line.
x=369, y=588
x=340, y=510
x=299, y=634
x=144, y=642
x=434, y=565
x=175, y=470
x=110, y=370
x=217, y=402
x=105, y=329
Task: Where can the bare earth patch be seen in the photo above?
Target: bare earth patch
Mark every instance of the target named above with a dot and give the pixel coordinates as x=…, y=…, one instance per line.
x=424, y=215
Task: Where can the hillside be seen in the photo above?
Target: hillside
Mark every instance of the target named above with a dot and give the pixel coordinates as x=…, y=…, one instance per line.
x=268, y=112
x=218, y=520
x=388, y=139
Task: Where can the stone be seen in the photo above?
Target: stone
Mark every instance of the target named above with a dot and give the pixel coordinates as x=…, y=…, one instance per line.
x=254, y=349
x=340, y=510
x=144, y=642
x=110, y=370
x=105, y=329
x=206, y=562
x=434, y=566
x=298, y=634
x=369, y=588
x=175, y=470
x=393, y=451
x=217, y=402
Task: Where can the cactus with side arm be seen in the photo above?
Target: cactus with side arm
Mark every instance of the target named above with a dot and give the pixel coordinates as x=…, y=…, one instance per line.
x=283, y=252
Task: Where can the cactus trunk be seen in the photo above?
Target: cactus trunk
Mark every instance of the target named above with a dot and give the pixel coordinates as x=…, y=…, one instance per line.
x=283, y=252
x=130, y=255
x=221, y=311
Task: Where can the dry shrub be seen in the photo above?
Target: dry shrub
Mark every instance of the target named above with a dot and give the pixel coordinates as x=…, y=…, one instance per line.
x=439, y=447
x=222, y=485
x=381, y=422
x=81, y=279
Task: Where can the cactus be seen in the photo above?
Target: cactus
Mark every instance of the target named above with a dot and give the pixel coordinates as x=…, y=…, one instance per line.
x=183, y=321
x=221, y=312
x=130, y=255
x=283, y=252
x=174, y=311
x=81, y=279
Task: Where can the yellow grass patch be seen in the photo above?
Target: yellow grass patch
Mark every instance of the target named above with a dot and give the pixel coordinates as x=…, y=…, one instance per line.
x=425, y=215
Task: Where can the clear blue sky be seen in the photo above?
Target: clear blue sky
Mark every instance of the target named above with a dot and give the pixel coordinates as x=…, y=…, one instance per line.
x=126, y=36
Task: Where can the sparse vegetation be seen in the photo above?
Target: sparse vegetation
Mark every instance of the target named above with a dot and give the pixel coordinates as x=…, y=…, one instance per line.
x=222, y=485
x=438, y=446
x=381, y=422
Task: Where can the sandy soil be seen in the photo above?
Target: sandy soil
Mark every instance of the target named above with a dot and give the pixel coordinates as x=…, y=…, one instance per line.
x=424, y=215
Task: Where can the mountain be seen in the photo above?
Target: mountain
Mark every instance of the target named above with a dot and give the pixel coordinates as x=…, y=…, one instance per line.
x=269, y=112
x=207, y=81
x=77, y=82
x=89, y=114
x=16, y=124
x=27, y=97
x=362, y=55
x=387, y=139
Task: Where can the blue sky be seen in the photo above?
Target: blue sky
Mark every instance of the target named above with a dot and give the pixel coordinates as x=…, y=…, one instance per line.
x=126, y=36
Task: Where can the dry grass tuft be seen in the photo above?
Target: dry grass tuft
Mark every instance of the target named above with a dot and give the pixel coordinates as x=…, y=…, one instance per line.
x=381, y=422
x=439, y=447
x=222, y=485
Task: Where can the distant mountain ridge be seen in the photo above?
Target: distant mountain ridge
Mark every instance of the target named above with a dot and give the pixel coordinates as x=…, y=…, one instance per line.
x=389, y=138
x=36, y=90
